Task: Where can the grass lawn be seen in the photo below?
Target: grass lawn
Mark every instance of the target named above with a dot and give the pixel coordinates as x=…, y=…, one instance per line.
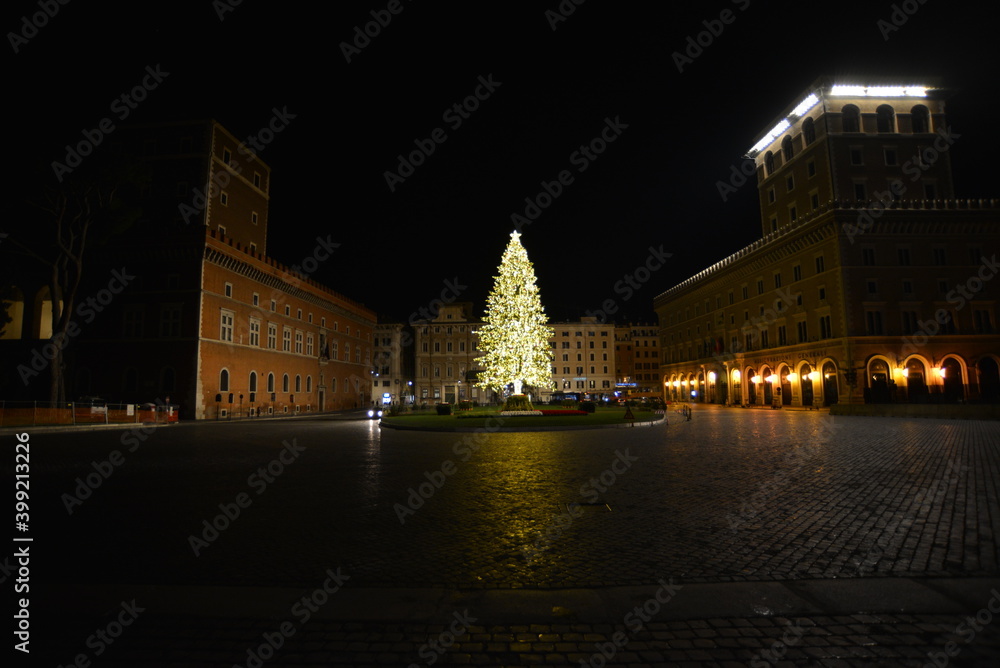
x=478, y=417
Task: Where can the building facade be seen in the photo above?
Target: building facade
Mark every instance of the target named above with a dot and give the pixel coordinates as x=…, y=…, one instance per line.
x=583, y=358
x=392, y=365
x=187, y=308
x=871, y=282
x=445, y=353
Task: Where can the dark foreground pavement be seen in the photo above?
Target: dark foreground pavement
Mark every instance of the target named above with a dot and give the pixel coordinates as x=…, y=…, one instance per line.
x=872, y=622
x=740, y=538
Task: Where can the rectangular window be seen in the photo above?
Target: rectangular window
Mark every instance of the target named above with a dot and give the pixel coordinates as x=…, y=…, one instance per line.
x=868, y=257
x=890, y=156
x=286, y=340
x=760, y=287
x=274, y=306
x=903, y=254
x=782, y=335
x=777, y=280
x=309, y=344
x=803, y=331
x=825, y=328
x=907, y=287
x=256, y=180
x=857, y=158
x=820, y=266
x=797, y=273
x=132, y=322
x=940, y=257
x=226, y=326
x=256, y=299
x=272, y=336
x=253, y=217
x=298, y=342
x=790, y=183
x=872, y=287
x=811, y=168
x=745, y=292
x=982, y=321
x=860, y=192
x=254, y=332
x=229, y=289
x=909, y=322
x=873, y=323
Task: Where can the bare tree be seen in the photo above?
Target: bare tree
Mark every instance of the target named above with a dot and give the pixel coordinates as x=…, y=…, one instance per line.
x=65, y=220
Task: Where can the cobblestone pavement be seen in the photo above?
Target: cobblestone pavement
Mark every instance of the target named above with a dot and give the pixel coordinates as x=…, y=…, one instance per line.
x=847, y=640
x=733, y=496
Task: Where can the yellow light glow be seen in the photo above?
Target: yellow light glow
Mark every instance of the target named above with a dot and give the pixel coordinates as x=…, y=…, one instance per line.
x=755, y=379
x=736, y=375
x=772, y=379
x=814, y=376
x=792, y=377
x=906, y=372
x=941, y=371
x=711, y=376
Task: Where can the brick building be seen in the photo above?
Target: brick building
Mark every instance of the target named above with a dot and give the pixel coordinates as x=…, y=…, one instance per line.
x=205, y=317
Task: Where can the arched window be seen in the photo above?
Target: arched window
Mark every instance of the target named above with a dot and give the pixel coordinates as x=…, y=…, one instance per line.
x=850, y=118
x=224, y=380
x=786, y=148
x=333, y=385
x=920, y=118
x=808, y=131
x=769, y=163
x=284, y=383
x=253, y=381
x=270, y=382
x=309, y=383
x=885, y=118
x=298, y=383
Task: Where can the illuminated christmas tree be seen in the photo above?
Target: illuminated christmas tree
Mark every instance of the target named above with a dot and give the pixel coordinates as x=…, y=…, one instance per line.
x=515, y=338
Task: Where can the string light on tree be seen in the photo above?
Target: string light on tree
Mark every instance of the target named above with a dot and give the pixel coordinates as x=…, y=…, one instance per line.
x=515, y=338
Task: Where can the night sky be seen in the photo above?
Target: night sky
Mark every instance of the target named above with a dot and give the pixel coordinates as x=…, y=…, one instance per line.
x=552, y=91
